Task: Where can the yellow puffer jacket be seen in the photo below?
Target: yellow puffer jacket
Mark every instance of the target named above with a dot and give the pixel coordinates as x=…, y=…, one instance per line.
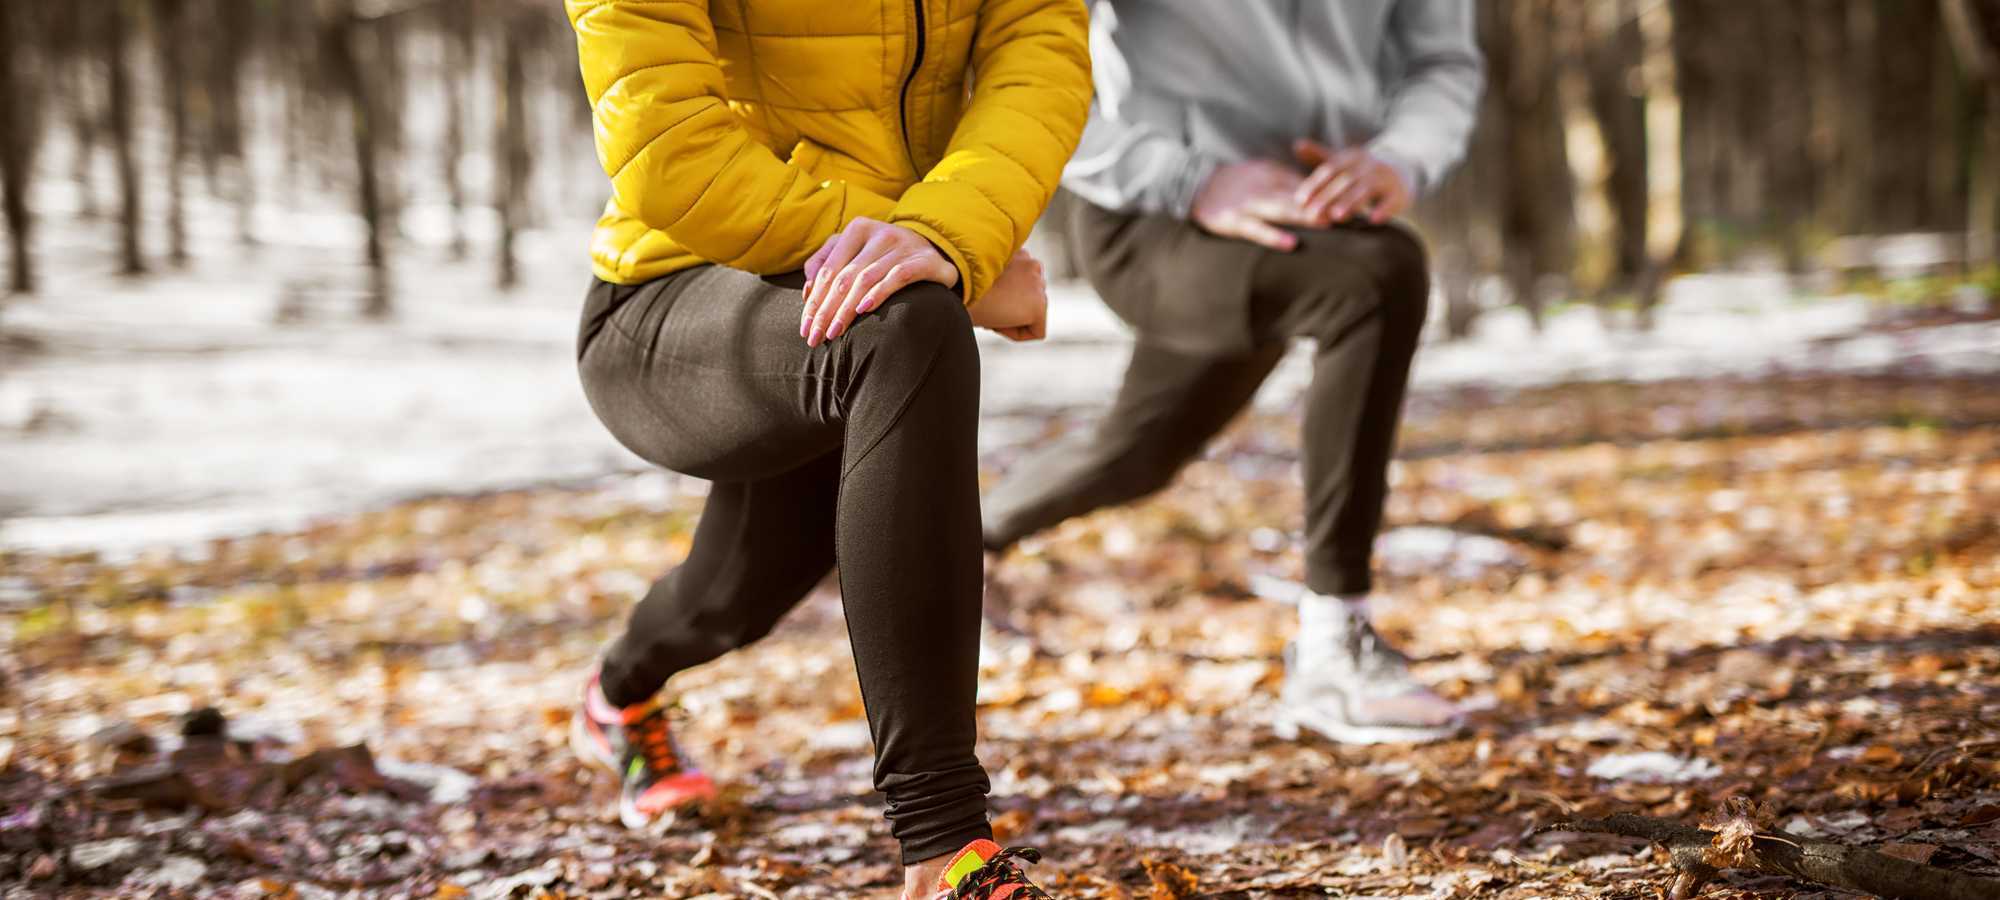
x=748, y=133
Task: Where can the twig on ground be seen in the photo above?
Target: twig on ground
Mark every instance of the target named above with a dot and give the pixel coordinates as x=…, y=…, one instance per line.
x=1826, y=862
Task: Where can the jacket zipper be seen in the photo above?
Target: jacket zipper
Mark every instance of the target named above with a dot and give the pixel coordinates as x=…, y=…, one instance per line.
x=903, y=107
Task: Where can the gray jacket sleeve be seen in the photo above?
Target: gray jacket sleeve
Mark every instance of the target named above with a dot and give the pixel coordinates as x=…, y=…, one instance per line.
x=1133, y=167
x=1123, y=163
x=1434, y=102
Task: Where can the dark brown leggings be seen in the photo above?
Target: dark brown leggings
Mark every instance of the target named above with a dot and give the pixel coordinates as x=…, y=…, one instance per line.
x=860, y=451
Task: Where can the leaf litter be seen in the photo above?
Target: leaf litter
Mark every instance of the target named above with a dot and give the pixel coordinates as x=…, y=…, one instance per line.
x=1790, y=587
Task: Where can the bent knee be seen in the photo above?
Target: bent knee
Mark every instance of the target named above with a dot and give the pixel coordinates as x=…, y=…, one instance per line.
x=1389, y=257
x=1384, y=263
x=924, y=325
x=925, y=313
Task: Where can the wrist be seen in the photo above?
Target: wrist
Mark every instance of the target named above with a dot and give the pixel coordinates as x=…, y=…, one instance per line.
x=960, y=273
x=1405, y=170
x=1187, y=184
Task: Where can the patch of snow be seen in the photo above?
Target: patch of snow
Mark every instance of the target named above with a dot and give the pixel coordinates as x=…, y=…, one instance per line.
x=447, y=785
x=1420, y=549
x=98, y=854
x=837, y=736
x=1652, y=767
x=175, y=873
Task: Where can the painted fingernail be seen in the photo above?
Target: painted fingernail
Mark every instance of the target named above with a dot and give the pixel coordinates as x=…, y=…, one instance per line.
x=834, y=331
x=812, y=340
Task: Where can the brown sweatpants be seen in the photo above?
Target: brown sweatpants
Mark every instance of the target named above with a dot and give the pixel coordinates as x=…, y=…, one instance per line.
x=1213, y=318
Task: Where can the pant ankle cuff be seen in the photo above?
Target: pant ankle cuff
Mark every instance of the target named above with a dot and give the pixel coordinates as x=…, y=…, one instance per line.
x=946, y=842
x=1337, y=580
x=621, y=689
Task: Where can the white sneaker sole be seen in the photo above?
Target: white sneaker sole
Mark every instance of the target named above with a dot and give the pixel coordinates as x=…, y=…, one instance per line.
x=580, y=744
x=1289, y=725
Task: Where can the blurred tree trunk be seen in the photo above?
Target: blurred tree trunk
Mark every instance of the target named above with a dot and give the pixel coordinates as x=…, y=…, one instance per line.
x=235, y=24
x=1696, y=85
x=1827, y=156
x=112, y=28
x=457, y=31
x=510, y=133
x=305, y=128
x=1786, y=127
x=169, y=35
x=72, y=41
x=380, y=50
x=1537, y=197
x=1974, y=29
x=19, y=129
x=1858, y=136
x=338, y=30
x=1614, y=48
x=1456, y=221
x=1743, y=107
x=1899, y=186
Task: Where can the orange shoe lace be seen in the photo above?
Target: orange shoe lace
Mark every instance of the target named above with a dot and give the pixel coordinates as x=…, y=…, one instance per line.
x=655, y=740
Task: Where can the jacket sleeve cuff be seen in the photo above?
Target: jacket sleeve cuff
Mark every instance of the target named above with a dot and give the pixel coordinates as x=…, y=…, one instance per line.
x=951, y=253
x=1406, y=167
x=1180, y=190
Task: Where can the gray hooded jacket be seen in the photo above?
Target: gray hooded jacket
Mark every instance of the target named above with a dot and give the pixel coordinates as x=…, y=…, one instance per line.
x=1186, y=85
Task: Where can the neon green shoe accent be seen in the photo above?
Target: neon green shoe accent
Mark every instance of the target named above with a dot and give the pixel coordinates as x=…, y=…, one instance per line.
x=966, y=863
x=632, y=771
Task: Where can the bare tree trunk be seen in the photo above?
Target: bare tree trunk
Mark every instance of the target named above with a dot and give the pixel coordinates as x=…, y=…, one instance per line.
x=1900, y=186
x=338, y=27
x=1786, y=127
x=511, y=142
x=1537, y=194
x=1975, y=39
x=379, y=48
x=1743, y=106
x=236, y=30
x=456, y=23
x=1695, y=83
x=168, y=34
x=19, y=129
x=112, y=31
x=72, y=42
x=1613, y=50
x=1831, y=110
x=294, y=24
x=1460, y=218
x=1858, y=136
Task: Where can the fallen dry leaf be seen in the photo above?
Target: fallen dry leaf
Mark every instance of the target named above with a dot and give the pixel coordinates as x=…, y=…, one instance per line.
x=1916, y=853
x=1170, y=882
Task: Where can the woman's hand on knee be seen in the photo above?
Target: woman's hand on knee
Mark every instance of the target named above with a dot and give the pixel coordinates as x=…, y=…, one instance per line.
x=1016, y=307
x=859, y=268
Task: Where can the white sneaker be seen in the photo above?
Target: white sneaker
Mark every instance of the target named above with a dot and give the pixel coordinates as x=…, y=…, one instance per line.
x=1356, y=689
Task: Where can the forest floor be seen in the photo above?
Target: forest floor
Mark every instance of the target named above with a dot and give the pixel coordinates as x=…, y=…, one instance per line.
x=1656, y=597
